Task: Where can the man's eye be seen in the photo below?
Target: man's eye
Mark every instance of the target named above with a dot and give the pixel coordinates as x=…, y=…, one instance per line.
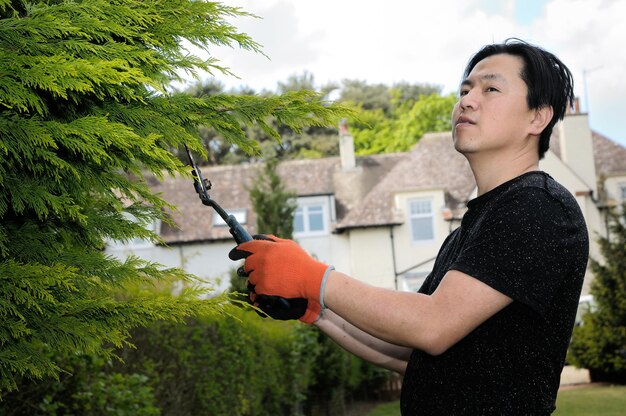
x=462, y=93
x=492, y=89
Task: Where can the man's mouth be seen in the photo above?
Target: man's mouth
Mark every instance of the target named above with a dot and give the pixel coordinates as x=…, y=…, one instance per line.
x=464, y=120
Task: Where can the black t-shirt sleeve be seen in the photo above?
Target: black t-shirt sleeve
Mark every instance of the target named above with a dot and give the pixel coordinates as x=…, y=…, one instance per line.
x=520, y=247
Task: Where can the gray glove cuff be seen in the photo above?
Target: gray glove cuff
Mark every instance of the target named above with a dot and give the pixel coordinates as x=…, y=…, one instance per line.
x=323, y=285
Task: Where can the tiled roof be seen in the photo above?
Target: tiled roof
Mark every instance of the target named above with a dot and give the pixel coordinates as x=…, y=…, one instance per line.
x=364, y=196
x=433, y=163
x=610, y=157
x=230, y=185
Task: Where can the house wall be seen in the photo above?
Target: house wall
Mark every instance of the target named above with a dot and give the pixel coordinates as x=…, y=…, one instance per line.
x=613, y=187
x=208, y=261
x=370, y=256
x=594, y=219
x=331, y=249
x=409, y=253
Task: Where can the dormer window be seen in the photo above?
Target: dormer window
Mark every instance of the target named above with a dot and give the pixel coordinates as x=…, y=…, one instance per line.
x=312, y=217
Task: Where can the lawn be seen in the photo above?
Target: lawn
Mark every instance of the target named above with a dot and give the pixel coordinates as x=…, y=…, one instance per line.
x=584, y=401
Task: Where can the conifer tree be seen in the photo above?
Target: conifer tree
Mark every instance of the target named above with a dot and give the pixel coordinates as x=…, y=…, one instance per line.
x=599, y=343
x=272, y=202
x=85, y=117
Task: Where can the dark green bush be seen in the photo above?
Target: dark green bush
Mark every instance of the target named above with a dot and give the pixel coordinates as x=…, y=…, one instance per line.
x=236, y=364
x=599, y=343
x=231, y=365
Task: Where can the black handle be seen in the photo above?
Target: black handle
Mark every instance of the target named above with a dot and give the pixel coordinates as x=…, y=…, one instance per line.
x=238, y=232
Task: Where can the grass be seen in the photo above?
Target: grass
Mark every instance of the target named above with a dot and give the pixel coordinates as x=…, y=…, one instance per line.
x=584, y=401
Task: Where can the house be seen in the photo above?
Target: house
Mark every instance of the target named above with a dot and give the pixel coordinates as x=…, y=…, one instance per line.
x=379, y=218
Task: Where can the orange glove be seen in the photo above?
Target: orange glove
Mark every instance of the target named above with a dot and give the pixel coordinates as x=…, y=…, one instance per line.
x=282, y=268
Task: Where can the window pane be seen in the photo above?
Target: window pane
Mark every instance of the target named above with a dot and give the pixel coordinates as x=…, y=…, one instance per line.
x=422, y=229
x=420, y=207
x=298, y=221
x=316, y=221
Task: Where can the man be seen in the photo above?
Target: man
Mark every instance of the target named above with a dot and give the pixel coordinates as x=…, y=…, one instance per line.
x=488, y=331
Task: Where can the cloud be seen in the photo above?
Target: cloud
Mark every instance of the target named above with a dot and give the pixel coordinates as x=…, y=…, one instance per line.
x=430, y=42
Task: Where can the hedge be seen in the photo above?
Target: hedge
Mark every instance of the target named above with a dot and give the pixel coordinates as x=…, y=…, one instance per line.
x=239, y=364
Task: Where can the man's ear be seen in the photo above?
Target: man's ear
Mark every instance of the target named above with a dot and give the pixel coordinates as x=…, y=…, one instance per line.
x=541, y=118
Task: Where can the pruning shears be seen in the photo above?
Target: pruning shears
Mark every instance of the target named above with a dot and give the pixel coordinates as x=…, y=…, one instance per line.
x=202, y=186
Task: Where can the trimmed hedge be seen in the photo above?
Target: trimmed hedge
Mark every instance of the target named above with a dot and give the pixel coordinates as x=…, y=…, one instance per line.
x=229, y=365
x=239, y=364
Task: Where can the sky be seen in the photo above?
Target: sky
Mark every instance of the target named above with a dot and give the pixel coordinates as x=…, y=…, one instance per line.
x=390, y=41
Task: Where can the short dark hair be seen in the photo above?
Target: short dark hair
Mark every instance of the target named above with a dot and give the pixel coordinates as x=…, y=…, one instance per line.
x=548, y=80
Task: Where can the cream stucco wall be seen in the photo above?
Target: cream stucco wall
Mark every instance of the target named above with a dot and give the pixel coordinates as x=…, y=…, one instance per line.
x=594, y=219
x=370, y=256
x=208, y=261
x=409, y=253
x=613, y=187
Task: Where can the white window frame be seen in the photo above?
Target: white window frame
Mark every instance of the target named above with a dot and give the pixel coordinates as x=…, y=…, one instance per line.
x=305, y=204
x=413, y=281
x=241, y=215
x=412, y=216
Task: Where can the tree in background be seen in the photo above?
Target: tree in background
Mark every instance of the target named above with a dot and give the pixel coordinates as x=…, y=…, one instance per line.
x=377, y=131
x=85, y=116
x=386, y=119
x=273, y=204
x=599, y=343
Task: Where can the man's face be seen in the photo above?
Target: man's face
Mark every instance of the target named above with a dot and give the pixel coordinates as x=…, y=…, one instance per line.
x=492, y=114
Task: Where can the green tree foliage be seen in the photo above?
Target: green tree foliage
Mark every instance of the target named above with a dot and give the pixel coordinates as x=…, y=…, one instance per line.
x=212, y=365
x=599, y=343
x=85, y=116
x=399, y=128
x=385, y=119
x=381, y=96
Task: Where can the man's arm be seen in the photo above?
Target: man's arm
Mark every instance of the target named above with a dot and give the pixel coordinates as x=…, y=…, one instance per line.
x=362, y=344
x=431, y=323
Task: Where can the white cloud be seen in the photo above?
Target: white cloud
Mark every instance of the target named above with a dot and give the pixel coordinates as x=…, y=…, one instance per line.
x=430, y=42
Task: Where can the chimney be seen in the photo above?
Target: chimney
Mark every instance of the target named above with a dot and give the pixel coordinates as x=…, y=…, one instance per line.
x=346, y=146
x=577, y=148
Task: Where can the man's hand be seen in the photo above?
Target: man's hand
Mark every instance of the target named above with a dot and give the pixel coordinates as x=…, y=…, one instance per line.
x=279, y=267
x=307, y=311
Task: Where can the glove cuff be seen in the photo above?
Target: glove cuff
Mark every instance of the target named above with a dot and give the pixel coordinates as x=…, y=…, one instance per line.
x=323, y=285
x=312, y=314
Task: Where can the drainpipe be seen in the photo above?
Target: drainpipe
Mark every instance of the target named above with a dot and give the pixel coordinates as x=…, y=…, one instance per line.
x=393, y=257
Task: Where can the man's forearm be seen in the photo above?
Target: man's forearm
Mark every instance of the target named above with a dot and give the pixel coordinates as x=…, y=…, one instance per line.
x=381, y=353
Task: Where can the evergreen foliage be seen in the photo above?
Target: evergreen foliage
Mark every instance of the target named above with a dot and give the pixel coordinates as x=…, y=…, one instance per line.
x=599, y=343
x=236, y=364
x=273, y=204
x=85, y=117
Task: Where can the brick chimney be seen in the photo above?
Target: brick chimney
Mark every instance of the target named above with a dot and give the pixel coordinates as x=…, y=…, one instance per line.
x=346, y=146
x=577, y=146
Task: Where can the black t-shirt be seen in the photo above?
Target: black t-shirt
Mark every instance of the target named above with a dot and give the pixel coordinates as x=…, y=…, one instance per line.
x=527, y=239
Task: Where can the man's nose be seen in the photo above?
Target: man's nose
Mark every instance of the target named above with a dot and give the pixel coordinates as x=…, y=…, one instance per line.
x=468, y=100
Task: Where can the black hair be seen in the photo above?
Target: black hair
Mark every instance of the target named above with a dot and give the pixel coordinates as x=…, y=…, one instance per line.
x=549, y=81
